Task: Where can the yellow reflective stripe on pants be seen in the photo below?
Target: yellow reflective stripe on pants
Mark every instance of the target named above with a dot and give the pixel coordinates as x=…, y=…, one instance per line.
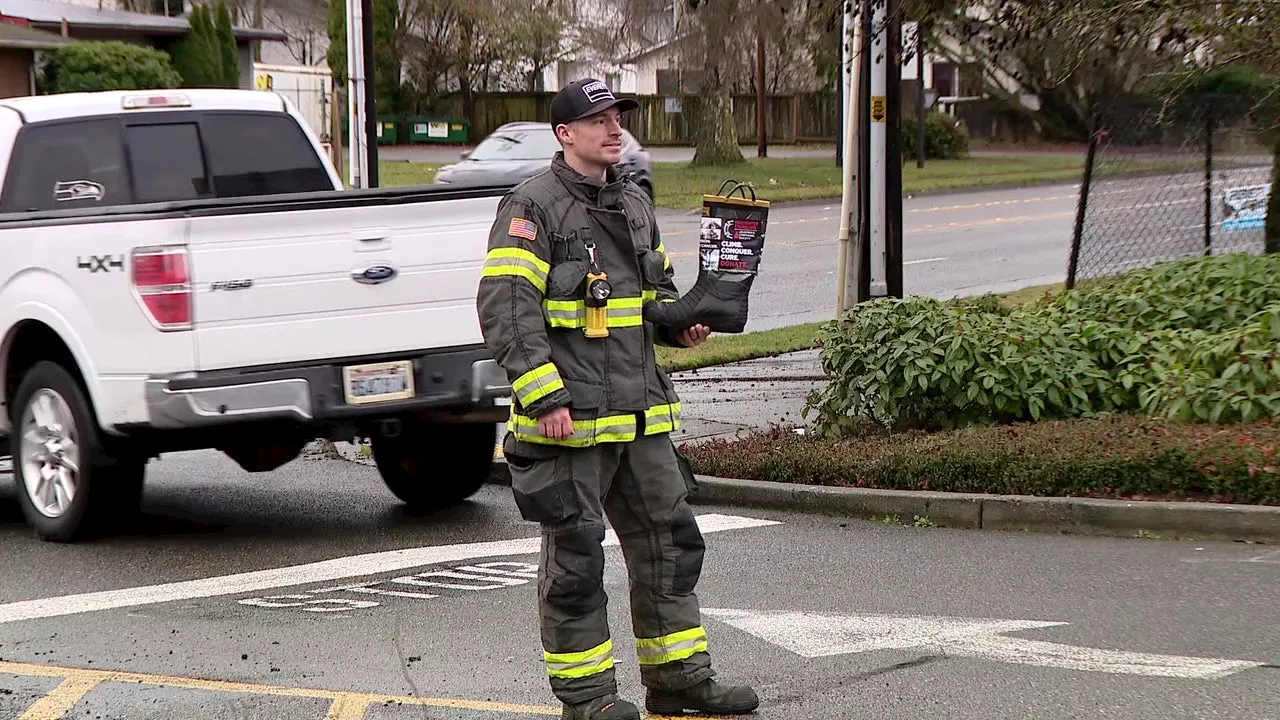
x=516, y=262
x=662, y=418
x=670, y=648
x=572, y=314
x=537, y=384
x=580, y=664
x=611, y=428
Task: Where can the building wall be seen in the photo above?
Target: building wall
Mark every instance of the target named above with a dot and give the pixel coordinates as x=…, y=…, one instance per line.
x=15, y=73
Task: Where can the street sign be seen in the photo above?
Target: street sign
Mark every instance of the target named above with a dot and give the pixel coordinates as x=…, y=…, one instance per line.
x=814, y=635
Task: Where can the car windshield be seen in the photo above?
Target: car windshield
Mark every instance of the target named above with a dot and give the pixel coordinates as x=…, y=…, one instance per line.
x=522, y=144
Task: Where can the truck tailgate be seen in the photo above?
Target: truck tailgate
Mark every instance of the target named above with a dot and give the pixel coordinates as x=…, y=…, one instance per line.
x=319, y=283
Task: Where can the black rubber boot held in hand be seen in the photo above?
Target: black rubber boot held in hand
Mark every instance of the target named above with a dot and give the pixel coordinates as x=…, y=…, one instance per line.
x=718, y=300
x=708, y=697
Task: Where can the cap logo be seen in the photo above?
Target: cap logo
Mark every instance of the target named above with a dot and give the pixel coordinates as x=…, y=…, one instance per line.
x=596, y=91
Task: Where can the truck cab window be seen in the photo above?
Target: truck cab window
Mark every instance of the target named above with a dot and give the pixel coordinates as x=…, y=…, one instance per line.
x=252, y=154
x=167, y=162
x=66, y=166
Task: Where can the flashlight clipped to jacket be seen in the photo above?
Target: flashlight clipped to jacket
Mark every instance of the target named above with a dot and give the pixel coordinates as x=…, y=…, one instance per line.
x=597, y=301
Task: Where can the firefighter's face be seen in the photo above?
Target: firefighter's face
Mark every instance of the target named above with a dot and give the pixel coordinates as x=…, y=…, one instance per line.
x=596, y=139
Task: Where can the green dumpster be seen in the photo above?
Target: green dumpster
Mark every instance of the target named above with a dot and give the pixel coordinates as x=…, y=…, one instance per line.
x=444, y=131
x=388, y=130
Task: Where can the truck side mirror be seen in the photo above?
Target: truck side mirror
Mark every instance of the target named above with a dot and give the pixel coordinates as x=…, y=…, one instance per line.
x=466, y=154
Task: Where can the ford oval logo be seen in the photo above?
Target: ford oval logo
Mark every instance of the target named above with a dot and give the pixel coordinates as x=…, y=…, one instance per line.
x=374, y=274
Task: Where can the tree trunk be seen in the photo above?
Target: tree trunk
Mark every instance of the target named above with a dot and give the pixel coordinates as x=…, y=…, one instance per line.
x=715, y=135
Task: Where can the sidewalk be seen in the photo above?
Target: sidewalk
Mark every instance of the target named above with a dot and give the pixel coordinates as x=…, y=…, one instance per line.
x=726, y=401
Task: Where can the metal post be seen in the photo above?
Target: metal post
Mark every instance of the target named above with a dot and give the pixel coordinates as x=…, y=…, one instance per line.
x=863, y=246
x=1083, y=203
x=762, y=97
x=921, y=105
x=1208, y=182
x=893, y=150
x=370, y=95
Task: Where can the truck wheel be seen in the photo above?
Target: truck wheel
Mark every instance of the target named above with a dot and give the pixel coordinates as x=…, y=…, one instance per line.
x=69, y=486
x=435, y=465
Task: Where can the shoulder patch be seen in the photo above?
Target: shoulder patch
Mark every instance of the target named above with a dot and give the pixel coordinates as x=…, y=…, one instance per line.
x=522, y=228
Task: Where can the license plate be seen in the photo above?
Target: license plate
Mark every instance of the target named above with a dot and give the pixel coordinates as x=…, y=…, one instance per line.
x=378, y=382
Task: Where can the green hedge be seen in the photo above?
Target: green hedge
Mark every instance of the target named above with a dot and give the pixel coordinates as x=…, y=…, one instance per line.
x=945, y=137
x=1121, y=456
x=91, y=66
x=1192, y=340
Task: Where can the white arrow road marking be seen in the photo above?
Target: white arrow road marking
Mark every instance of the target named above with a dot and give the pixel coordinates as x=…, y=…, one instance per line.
x=813, y=635
x=322, y=571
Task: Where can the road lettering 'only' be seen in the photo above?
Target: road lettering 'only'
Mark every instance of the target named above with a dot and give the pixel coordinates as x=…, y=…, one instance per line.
x=478, y=577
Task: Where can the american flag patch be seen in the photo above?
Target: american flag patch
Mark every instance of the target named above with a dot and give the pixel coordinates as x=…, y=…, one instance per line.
x=523, y=228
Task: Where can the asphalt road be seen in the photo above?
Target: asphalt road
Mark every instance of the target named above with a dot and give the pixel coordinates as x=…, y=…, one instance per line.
x=953, y=245
x=827, y=618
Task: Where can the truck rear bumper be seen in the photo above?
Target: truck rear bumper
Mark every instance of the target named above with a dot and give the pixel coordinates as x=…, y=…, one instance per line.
x=463, y=385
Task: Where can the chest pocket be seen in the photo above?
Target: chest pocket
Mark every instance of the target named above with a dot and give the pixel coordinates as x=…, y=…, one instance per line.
x=652, y=263
x=569, y=264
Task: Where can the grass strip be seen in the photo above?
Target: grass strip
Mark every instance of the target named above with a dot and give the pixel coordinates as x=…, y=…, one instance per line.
x=1119, y=457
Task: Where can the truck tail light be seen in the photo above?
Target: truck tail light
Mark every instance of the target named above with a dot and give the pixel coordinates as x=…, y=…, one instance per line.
x=163, y=283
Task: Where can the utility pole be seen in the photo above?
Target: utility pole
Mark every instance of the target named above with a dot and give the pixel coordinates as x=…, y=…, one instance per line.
x=879, y=57
x=357, y=158
x=762, y=97
x=362, y=122
x=849, y=259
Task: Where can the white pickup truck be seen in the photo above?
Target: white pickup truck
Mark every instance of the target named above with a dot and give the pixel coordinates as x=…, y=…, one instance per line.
x=183, y=269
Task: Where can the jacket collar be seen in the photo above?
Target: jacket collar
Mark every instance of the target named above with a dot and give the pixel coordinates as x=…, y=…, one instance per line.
x=589, y=190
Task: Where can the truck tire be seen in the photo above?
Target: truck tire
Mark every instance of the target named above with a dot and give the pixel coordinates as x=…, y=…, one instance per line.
x=70, y=486
x=430, y=466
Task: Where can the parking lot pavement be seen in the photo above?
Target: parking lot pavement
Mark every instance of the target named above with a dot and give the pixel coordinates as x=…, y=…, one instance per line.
x=307, y=593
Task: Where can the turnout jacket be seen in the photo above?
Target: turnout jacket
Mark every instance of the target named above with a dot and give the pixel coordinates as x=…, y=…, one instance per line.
x=532, y=308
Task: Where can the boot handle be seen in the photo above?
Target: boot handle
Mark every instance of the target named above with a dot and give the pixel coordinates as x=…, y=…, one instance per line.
x=736, y=187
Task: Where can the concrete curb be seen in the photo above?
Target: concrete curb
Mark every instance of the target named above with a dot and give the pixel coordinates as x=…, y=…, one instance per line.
x=976, y=511
x=1078, y=516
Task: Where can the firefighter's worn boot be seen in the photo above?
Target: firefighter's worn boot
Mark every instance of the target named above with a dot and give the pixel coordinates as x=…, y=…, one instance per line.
x=708, y=696
x=718, y=300
x=608, y=707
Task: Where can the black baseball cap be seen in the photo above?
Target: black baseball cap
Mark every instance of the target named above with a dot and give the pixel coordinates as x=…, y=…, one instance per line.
x=585, y=97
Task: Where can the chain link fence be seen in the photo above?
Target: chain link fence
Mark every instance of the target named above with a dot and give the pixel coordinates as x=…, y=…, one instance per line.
x=1171, y=180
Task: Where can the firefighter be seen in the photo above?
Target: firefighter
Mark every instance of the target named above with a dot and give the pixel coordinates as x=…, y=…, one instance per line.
x=573, y=256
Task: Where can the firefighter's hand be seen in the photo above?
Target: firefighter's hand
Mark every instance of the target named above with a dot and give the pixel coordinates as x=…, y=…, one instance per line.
x=557, y=424
x=695, y=336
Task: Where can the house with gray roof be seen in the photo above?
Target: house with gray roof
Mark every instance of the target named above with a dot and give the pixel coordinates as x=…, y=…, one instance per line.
x=44, y=25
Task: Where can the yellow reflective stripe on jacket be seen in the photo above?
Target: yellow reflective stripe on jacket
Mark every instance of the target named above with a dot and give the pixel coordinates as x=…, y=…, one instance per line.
x=516, y=262
x=662, y=418
x=537, y=384
x=611, y=428
x=666, y=261
x=670, y=648
x=580, y=664
x=572, y=314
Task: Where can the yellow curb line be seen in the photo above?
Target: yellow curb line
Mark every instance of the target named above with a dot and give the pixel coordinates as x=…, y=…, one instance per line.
x=345, y=705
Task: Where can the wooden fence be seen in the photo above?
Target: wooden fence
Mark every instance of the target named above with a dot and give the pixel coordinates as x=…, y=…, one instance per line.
x=660, y=120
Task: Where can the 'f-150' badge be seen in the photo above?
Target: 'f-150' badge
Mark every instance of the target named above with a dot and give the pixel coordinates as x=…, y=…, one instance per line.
x=374, y=274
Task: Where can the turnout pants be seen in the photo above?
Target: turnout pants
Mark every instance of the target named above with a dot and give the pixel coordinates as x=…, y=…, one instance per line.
x=641, y=488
